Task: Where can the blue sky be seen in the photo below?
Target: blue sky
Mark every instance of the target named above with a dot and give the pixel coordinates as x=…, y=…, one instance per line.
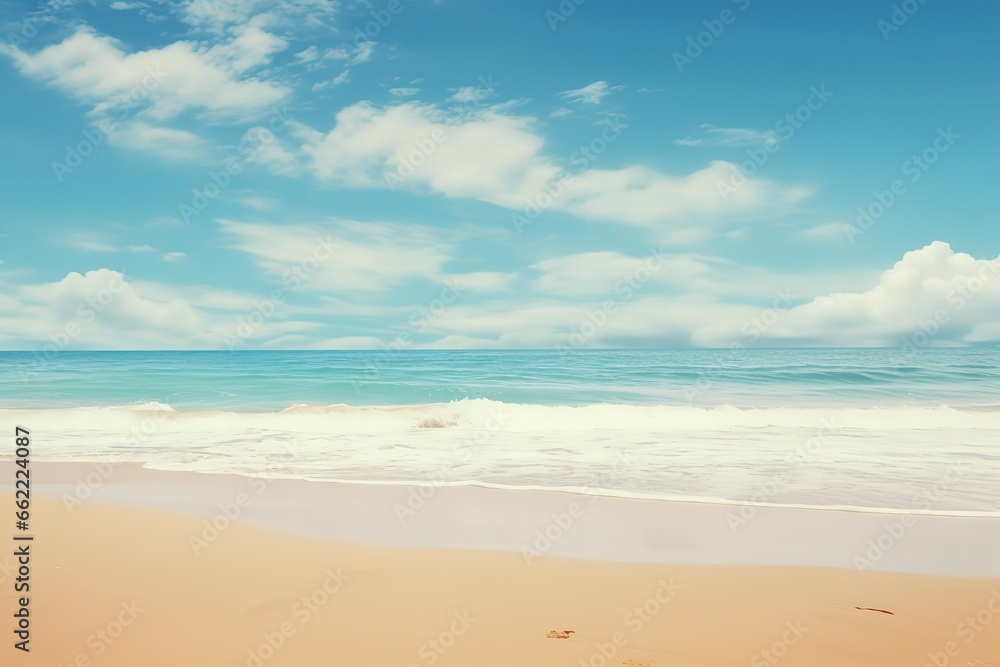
x=313, y=174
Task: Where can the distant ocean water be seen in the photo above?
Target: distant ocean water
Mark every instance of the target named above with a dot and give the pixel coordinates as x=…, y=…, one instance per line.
x=862, y=428
x=272, y=380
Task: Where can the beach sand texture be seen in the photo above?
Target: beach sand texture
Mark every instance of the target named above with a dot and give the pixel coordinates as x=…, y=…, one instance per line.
x=117, y=585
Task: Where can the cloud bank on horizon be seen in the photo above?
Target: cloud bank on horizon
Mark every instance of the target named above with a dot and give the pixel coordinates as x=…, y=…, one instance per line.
x=312, y=174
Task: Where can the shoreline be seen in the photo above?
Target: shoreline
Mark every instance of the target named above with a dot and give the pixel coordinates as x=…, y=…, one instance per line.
x=587, y=492
x=543, y=522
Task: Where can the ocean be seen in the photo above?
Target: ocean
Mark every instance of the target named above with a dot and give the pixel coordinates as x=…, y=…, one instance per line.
x=866, y=429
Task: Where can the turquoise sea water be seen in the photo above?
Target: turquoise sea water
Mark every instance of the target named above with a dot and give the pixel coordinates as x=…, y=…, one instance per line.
x=868, y=429
x=272, y=380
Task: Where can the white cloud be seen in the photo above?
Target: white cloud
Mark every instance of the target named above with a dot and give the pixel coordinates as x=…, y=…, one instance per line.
x=713, y=303
x=100, y=246
x=483, y=281
x=336, y=53
x=315, y=60
x=653, y=321
x=167, y=142
x=308, y=55
x=733, y=137
x=219, y=15
x=932, y=296
x=368, y=145
x=403, y=92
x=174, y=257
x=94, y=246
x=471, y=94
x=643, y=196
x=932, y=289
x=259, y=203
x=159, y=83
x=343, y=255
x=250, y=48
x=560, y=112
x=101, y=309
x=274, y=155
x=590, y=94
x=826, y=232
x=362, y=53
x=607, y=273
x=343, y=77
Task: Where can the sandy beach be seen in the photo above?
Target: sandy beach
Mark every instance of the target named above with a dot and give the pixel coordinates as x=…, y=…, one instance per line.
x=126, y=576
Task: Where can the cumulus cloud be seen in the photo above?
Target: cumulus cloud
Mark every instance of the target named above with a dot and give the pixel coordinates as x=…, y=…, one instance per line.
x=137, y=94
x=102, y=309
x=165, y=81
x=932, y=296
x=496, y=157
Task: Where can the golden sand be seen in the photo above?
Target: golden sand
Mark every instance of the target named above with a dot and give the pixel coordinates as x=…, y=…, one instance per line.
x=119, y=586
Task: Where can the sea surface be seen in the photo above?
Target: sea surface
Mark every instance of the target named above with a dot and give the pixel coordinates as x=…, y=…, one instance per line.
x=870, y=429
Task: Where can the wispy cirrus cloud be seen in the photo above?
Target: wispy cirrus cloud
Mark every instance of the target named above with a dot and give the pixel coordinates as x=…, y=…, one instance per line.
x=826, y=232
x=734, y=137
x=593, y=93
x=349, y=256
x=220, y=15
x=338, y=80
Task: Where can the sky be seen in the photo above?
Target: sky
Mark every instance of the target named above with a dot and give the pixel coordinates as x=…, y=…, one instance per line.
x=394, y=174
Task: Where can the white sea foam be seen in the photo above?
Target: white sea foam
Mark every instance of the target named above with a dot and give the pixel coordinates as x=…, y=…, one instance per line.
x=930, y=459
